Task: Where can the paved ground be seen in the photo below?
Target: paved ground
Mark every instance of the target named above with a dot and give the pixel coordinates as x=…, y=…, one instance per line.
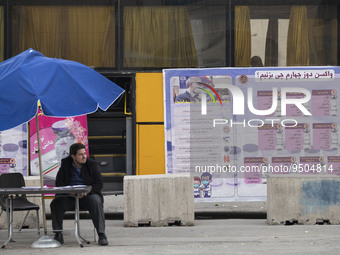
x=220, y=228
x=208, y=236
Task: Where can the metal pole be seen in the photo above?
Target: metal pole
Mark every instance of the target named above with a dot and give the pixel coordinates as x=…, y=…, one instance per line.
x=45, y=241
x=41, y=178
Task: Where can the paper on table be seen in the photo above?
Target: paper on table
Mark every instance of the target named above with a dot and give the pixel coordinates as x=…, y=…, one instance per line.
x=70, y=187
x=78, y=186
x=36, y=187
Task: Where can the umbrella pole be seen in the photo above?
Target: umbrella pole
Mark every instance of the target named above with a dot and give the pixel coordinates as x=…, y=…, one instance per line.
x=45, y=241
x=41, y=177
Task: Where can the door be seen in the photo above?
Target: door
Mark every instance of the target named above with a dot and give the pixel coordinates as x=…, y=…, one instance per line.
x=110, y=138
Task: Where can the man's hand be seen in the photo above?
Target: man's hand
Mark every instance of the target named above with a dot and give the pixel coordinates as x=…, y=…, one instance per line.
x=82, y=195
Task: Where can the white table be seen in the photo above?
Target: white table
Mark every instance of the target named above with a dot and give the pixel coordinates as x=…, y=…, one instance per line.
x=10, y=193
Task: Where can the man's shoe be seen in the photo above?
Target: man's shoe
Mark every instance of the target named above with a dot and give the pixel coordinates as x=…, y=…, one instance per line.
x=102, y=240
x=59, y=237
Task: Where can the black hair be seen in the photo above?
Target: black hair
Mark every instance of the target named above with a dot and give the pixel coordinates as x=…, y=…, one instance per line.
x=74, y=148
x=206, y=174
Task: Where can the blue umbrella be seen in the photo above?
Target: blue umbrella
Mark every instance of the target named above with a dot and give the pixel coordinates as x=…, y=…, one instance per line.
x=64, y=88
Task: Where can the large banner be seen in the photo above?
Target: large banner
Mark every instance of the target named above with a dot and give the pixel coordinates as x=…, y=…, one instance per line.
x=231, y=127
x=56, y=137
x=13, y=150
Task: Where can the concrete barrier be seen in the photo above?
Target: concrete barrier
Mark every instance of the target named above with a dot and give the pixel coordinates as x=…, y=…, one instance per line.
x=159, y=200
x=31, y=220
x=303, y=199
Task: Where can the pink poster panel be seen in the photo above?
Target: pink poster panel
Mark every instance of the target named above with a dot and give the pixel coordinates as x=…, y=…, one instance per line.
x=56, y=136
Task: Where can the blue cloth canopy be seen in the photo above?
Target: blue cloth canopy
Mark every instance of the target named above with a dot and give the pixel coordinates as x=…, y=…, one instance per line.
x=64, y=88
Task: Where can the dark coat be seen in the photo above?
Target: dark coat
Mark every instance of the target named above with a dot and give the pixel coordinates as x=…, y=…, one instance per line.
x=90, y=175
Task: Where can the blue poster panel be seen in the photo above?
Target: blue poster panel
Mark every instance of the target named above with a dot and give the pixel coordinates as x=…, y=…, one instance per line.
x=232, y=127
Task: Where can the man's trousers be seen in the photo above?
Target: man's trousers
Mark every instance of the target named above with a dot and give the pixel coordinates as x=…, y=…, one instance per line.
x=92, y=203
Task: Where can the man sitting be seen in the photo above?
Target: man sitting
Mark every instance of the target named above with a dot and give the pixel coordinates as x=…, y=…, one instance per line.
x=77, y=169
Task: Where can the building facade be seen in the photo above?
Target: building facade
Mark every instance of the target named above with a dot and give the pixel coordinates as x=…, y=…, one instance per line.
x=131, y=41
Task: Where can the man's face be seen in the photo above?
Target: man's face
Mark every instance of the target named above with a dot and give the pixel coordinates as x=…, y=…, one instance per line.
x=80, y=157
x=194, y=88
